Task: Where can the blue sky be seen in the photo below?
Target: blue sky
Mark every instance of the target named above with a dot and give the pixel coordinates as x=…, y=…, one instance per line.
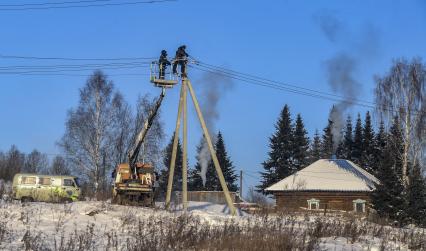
x=279, y=40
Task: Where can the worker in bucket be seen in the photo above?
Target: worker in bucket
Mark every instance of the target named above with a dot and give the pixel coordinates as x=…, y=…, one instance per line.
x=163, y=62
x=181, y=59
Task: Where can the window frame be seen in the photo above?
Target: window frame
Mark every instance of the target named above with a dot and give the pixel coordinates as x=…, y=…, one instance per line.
x=315, y=202
x=28, y=184
x=359, y=201
x=66, y=179
x=44, y=178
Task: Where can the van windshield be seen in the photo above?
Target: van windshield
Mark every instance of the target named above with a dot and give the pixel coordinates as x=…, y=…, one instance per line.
x=77, y=182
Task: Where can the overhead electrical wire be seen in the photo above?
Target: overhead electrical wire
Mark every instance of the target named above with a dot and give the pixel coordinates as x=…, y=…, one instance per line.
x=68, y=5
x=293, y=87
x=199, y=65
x=52, y=3
x=245, y=78
x=278, y=87
x=75, y=59
x=71, y=66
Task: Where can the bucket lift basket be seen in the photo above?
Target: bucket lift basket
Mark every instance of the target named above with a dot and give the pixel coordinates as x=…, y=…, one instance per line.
x=169, y=79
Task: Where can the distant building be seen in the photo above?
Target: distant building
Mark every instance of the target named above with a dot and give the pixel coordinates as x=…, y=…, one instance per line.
x=332, y=184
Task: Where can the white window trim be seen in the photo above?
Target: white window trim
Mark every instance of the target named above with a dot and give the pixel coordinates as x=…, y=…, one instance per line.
x=313, y=202
x=359, y=201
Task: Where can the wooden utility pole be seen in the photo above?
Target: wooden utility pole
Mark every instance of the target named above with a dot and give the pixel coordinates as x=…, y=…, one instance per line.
x=182, y=111
x=241, y=184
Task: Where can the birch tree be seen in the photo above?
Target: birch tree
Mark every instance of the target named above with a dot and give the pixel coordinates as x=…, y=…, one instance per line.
x=402, y=93
x=88, y=130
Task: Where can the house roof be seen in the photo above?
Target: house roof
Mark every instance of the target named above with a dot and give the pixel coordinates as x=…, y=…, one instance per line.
x=328, y=175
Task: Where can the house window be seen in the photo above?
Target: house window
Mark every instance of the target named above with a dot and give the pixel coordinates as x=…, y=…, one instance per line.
x=359, y=206
x=313, y=204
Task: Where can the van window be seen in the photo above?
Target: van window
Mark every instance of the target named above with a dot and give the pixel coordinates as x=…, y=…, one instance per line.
x=45, y=181
x=28, y=180
x=68, y=183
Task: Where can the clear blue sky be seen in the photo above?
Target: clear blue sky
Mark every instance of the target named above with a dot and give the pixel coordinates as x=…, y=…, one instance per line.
x=280, y=40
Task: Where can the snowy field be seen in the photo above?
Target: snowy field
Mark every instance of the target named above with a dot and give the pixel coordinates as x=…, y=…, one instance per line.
x=102, y=226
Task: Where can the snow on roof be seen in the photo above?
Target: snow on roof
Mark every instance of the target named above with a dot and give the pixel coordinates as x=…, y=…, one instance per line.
x=328, y=175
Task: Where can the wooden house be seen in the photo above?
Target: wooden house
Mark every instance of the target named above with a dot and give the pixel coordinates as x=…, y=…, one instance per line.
x=332, y=184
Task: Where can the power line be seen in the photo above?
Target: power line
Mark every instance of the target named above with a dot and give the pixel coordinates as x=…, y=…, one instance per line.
x=280, y=83
x=68, y=66
x=278, y=87
x=83, y=6
x=68, y=70
x=54, y=3
x=74, y=59
x=272, y=84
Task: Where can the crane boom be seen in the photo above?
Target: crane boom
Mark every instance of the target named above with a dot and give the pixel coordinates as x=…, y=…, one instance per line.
x=134, y=152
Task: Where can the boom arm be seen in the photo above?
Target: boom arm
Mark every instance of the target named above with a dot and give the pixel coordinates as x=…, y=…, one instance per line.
x=134, y=152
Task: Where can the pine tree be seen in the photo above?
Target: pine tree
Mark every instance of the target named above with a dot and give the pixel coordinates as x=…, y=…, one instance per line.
x=396, y=145
x=315, y=151
x=368, y=146
x=357, y=145
x=379, y=144
x=279, y=163
x=164, y=173
x=300, y=145
x=327, y=142
x=226, y=164
x=389, y=198
x=416, y=196
x=346, y=145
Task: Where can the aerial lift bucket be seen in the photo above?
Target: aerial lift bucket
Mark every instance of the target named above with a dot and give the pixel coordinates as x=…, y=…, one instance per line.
x=169, y=79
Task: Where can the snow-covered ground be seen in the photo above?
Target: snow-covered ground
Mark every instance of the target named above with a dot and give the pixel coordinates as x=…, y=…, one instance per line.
x=91, y=225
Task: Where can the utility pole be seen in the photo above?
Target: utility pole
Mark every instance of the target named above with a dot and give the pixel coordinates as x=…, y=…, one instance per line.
x=182, y=114
x=241, y=184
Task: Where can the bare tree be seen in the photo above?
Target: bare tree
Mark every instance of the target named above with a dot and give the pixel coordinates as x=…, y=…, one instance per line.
x=88, y=128
x=59, y=166
x=14, y=162
x=122, y=130
x=36, y=162
x=402, y=93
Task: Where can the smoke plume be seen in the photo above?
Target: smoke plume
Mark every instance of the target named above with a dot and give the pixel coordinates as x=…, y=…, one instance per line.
x=214, y=87
x=341, y=79
x=341, y=69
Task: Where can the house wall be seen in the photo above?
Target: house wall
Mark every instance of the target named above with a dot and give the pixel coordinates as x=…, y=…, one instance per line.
x=329, y=200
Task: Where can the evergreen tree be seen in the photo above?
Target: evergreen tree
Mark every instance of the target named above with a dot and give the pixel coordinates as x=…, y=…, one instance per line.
x=226, y=165
x=164, y=173
x=315, y=151
x=357, y=145
x=327, y=143
x=389, y=198
x=416, y=196
x=396, y=145
x=279, y=163
x=368, y=146
x=300, y=145
x=345, y=148
x=195, y=182
x=380, y=144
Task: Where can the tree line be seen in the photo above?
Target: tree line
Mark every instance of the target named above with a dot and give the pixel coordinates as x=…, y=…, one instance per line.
x=14, y=161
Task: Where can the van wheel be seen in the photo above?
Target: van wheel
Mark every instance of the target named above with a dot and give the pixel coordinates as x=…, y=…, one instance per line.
x=26, y=199
x=67, y=200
